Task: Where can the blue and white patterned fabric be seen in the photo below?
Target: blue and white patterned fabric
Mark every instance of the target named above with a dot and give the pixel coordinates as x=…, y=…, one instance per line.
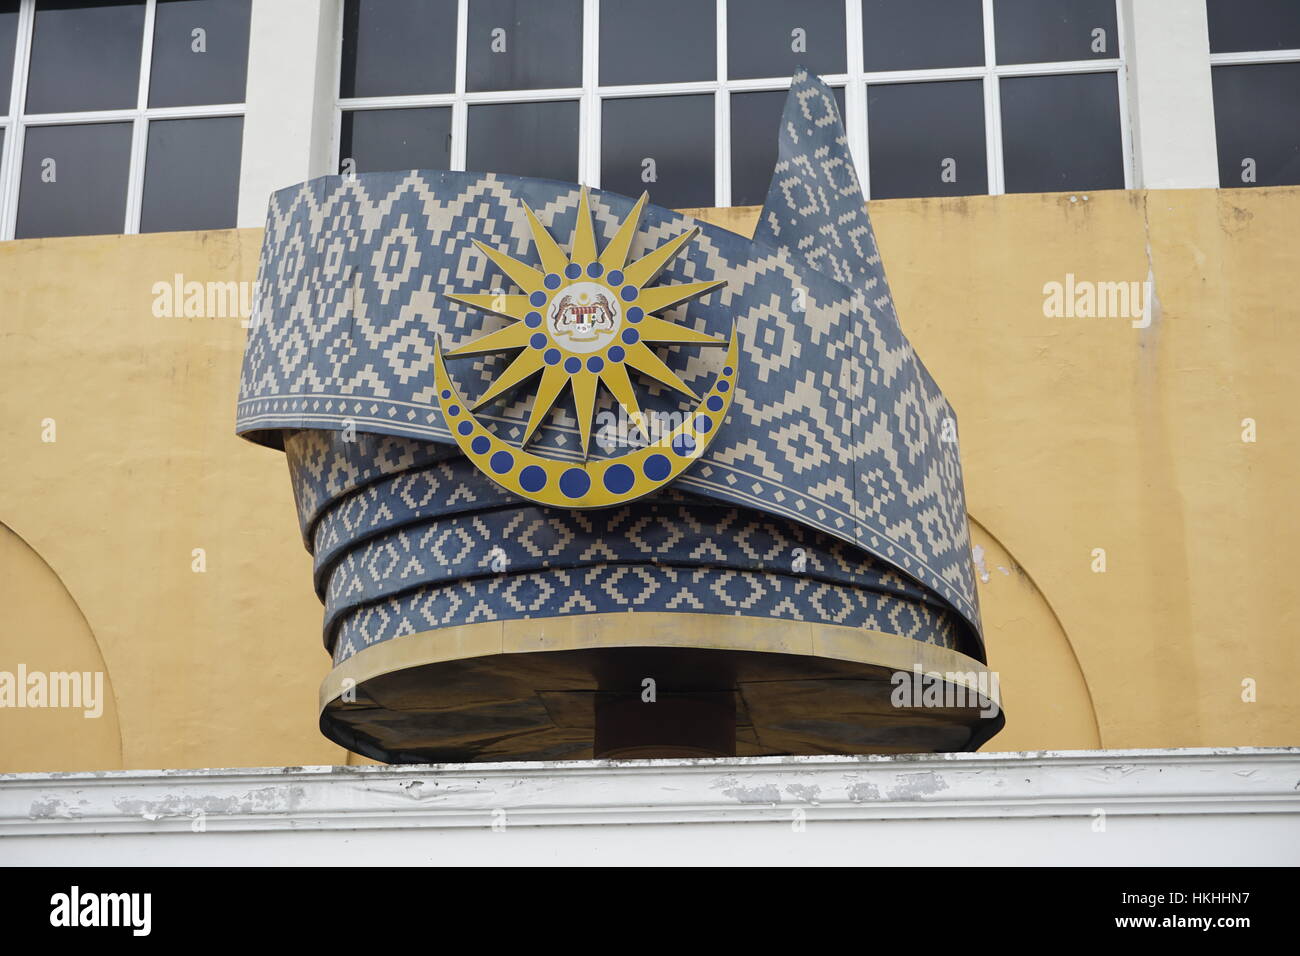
x=836, y=425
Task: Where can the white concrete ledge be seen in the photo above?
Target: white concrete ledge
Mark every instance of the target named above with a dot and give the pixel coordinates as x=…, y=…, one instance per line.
x=1168, y=806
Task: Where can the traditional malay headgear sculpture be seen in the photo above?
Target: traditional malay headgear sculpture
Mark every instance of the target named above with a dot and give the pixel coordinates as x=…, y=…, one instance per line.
x=743, y=544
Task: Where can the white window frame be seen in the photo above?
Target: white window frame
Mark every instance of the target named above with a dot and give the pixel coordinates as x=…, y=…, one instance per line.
x=855, y=82
x=18, y=121
x=1248, y=58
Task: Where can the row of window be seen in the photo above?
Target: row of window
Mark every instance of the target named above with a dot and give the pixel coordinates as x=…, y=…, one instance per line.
x=74, y=178
x=122, y=115
x=926, y=139
x=408, y=47
x=684, y=97
x=126, y=115
x=88, y=55
x=1256, y=105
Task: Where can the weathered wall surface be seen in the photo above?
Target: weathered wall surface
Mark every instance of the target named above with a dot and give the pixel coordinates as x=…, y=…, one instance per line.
x=1077, y=434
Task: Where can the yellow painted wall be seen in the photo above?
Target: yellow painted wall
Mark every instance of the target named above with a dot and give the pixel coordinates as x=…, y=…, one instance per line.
x=1076, y=434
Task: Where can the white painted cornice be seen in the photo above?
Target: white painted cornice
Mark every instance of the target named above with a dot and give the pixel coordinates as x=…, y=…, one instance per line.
x=652, y=792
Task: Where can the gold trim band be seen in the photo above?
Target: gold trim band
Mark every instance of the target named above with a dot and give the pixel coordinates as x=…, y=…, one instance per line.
x=657, y=629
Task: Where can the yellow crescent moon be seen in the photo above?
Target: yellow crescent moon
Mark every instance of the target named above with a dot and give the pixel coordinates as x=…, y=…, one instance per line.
x=590, y=484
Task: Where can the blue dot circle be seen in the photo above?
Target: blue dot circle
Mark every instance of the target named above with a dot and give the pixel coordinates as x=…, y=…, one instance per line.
x=724, y=386
x=533, y=478
x=551, y=356
x=533, y=319
x=575, y=483
x=616, y=353
x=615, y=277
x=552, y=280
x=683, y=445
x=465, y=428
x=573, y=270
x=538, y=298
x=572, y=365
x=629, y=293
x=657, y=467
x=502, y=462
x=595, y=363
x=635, y=314
x=727, y=370
x=538, y=340
x=714, y=403
x=480, y=445
x=703, y=423
x=595, y=270
x=446, y=393
x=619, y=479
x=631, y=336
x=453, y=410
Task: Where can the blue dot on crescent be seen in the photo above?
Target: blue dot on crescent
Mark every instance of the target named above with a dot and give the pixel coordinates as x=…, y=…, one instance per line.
x=657, y=467
x=619, y=479
x=574, y=483
x=532, y=479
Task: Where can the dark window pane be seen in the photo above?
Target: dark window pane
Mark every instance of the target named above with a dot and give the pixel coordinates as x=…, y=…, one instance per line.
x=191, y=174
x=200, y=52
x=8, y=38
x=384, y=140
x=85, y=56
x=524, y=45
x=398, y=47
x=922, y=34
x=524, y=139
x=755, y=124
x=667, y=41
x=1038, y=31
x=927, y=139
x=1238, y=26
x=73, y=180
x=1061, y=133
x=1257, y=122
x=775, y=37
x=660, y=143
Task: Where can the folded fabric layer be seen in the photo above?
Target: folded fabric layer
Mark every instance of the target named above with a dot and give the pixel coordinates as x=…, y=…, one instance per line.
x=325, y=466
x=512, y=539
x=607, y=588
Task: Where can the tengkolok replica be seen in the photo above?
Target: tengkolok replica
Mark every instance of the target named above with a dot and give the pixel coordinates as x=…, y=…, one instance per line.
x=662, y=491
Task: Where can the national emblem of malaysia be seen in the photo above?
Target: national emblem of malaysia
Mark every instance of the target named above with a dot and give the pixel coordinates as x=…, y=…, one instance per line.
x=586, y=318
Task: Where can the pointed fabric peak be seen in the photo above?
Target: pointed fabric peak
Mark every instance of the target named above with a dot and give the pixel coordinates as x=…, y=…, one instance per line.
x=833, y=237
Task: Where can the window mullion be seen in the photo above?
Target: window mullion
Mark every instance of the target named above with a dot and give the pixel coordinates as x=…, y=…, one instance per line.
x=140, y=127
x=1121, y=90
x=855, y=95
x=11, y=168
x=589, y=104
x=460, y=109
x=992, y=108
x=722, y=117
